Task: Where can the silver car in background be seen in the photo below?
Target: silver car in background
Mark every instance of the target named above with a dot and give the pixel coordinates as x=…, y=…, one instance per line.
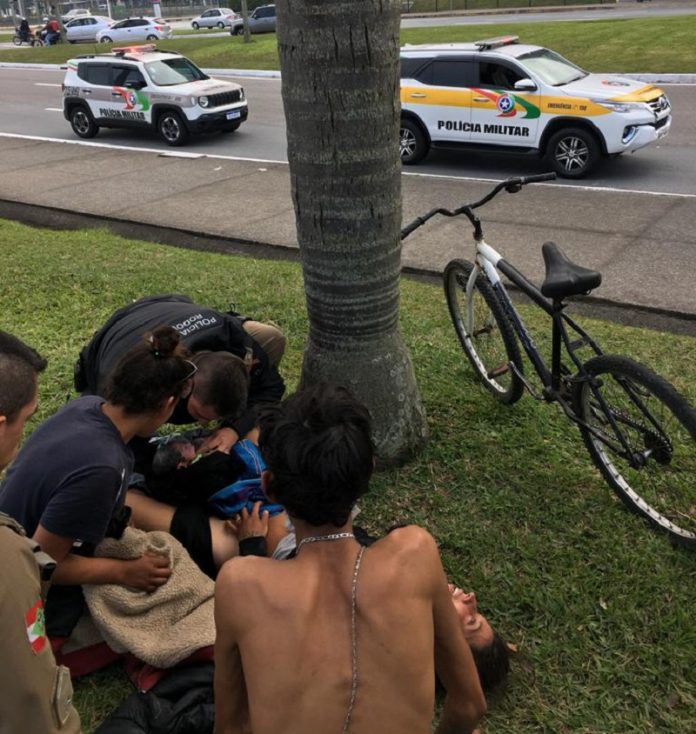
x=214, y=18
x=85, y=28
x=136, y=29
x=262, y=20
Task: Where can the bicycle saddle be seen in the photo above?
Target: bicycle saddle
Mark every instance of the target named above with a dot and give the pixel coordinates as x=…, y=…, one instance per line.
x=563, y=277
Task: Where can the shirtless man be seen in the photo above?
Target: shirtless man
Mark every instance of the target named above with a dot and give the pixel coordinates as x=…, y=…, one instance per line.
x=340, y=638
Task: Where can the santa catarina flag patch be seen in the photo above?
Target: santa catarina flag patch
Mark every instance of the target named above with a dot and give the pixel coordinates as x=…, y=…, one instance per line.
x=36, y=627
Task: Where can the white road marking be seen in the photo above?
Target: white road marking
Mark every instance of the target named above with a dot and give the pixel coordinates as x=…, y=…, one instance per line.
x=45, y=84
x=577, y=187
x=217, y=156
x=53, y=109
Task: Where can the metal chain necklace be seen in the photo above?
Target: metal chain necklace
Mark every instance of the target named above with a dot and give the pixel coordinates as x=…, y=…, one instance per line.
x=353, y=640
x=318, y=538
x=353, y=616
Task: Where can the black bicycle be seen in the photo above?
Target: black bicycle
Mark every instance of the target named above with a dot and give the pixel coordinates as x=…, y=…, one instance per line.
x=639, y=431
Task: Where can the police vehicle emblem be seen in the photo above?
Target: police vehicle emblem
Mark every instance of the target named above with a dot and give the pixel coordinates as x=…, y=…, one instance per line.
x=505, y=103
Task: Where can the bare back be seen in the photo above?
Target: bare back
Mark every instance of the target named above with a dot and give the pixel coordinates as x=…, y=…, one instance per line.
x=291, y=624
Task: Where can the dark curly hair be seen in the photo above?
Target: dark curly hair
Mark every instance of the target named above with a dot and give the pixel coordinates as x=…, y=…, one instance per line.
x=149, y=373
x=492, y=662
x=318, y=448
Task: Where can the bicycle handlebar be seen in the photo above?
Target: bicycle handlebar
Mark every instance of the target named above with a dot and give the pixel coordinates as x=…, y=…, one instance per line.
x=511, y=185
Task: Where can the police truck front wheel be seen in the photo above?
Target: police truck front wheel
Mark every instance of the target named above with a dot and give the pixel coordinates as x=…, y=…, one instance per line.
x=82, y=122
x=573, y=152
x=412, y=143
x=172, y=128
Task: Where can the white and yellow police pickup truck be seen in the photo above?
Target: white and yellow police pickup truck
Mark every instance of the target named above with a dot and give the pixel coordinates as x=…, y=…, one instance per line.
x=502, y=95
x=142, y=88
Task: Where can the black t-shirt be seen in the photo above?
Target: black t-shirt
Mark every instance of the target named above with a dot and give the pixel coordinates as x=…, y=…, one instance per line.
x=201, y=329
x=71, y=474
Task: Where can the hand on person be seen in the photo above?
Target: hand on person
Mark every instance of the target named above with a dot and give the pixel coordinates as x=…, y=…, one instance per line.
x=223, y=439
x=147, y=573
x=252, y=524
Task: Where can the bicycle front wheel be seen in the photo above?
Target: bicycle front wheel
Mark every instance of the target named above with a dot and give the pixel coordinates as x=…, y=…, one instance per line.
x=490, y=344
x=641, y=434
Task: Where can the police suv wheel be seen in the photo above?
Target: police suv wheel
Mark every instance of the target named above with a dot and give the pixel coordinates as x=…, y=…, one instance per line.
x=172, y=128
x=221, y=26
x=195, y=26
x=412, y=143
x=105, y=39
x=82, y=123
x=573, y=152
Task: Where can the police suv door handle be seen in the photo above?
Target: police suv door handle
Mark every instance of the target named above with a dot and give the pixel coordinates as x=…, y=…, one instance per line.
x=481, y=99
x=115, y=94
x=415, y=95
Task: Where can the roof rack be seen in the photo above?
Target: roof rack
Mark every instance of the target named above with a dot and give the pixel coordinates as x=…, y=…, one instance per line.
x=490, y=43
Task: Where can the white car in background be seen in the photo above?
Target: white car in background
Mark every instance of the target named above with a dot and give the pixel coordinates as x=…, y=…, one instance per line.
x=136, y=29
x=85, y=28
x=214, y=18
x=74, y=13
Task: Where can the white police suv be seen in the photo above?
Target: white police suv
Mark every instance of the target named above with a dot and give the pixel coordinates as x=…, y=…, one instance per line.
x=142, y=88
x=503, y=95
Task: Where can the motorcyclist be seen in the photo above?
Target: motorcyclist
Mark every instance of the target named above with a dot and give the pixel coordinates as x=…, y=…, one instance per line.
x=51, y=31
x=24, y=31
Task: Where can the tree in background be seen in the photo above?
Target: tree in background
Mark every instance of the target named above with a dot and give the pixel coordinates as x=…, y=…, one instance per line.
x=340, y=81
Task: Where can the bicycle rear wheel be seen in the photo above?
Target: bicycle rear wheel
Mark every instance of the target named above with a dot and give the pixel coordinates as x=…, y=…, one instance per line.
x=641, y=434
x=491, y=345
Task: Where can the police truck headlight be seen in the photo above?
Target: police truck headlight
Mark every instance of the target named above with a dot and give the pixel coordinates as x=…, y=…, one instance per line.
x=203, y=101
x=619, y=106
x=241, y=94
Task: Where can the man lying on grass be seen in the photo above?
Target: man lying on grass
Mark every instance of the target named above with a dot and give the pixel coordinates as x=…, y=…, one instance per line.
x=355, y=634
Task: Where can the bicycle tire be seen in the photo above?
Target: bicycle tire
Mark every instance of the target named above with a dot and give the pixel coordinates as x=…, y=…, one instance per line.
x=659, y=426
x=492, y=346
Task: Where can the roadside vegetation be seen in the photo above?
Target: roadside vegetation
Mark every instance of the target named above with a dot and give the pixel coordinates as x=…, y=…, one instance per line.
x=599, y=607
x=602, y=45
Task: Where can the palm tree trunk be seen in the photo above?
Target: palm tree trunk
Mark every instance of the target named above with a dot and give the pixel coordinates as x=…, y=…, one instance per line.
x=339, y=63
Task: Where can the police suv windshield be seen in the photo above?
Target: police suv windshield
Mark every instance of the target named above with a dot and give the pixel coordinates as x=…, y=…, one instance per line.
x=552, y=68
x=169, y=72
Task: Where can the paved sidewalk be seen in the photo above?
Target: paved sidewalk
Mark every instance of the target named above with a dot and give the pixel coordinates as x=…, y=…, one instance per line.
x=645, y=246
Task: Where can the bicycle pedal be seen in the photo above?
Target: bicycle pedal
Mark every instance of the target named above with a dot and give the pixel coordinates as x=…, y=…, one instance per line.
x=499, y=371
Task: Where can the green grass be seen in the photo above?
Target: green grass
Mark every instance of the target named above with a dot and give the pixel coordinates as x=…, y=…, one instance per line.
x=604, y=45
x=601, y=608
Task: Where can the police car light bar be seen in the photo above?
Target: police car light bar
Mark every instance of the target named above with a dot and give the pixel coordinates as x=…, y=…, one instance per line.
x=145, y=48
x=490, y=43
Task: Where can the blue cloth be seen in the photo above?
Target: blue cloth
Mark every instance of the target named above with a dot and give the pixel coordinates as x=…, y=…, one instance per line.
x=246, y=490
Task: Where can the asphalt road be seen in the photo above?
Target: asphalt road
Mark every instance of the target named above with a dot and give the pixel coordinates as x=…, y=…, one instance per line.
x=31, y=104
x=625, y=9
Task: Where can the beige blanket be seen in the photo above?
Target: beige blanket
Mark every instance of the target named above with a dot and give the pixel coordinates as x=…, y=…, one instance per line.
x=162, y=627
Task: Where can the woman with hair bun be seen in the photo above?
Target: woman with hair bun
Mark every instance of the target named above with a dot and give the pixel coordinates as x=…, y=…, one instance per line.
x=68, y=483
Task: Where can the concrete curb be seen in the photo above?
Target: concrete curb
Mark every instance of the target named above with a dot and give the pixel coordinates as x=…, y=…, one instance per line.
x=665, y=78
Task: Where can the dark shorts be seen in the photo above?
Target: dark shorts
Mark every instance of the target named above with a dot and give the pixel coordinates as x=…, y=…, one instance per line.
x=191, y=527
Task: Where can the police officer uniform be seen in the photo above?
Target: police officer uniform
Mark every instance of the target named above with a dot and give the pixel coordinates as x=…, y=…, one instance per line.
x=35, y=693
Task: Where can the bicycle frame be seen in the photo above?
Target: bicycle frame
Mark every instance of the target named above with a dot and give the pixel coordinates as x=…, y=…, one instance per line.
x=488, y=261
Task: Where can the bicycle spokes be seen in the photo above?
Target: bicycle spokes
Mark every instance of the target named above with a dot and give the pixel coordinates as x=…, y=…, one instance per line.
x=642, y=442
